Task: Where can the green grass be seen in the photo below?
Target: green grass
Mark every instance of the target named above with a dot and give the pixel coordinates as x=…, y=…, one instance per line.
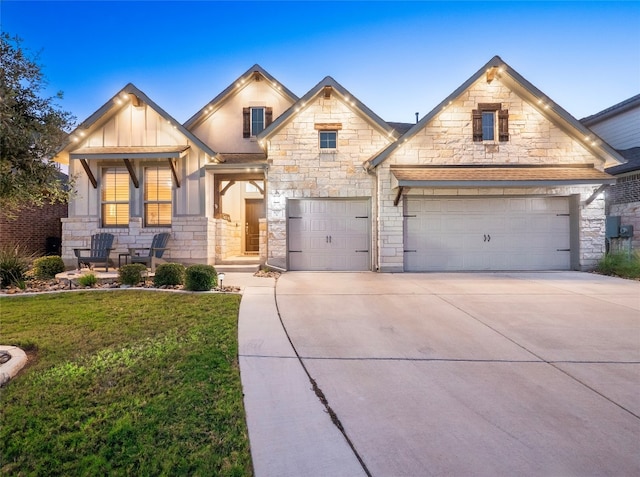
x=124, y=383
x=620, y=264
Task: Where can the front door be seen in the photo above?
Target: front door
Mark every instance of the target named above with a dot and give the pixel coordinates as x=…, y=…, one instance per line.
x=254, y=210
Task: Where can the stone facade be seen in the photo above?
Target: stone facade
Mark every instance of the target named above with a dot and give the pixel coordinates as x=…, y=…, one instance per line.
x=298, y=169
x=448, y=140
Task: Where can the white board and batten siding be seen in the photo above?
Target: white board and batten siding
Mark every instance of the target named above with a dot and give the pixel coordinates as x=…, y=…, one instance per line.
x=329, y=234
x=474, y=234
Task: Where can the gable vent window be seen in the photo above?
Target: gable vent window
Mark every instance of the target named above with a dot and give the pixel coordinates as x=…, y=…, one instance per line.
x=489, y=121
x=328, y=140
x=255, y=120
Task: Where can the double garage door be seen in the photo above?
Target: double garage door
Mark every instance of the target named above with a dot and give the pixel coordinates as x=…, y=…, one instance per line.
x=329, y=234
x=523, y=233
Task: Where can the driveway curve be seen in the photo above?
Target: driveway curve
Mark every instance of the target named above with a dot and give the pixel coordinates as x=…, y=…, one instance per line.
x=474, y=374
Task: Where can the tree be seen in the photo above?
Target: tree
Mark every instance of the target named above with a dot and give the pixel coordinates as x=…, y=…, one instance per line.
x=32, y=128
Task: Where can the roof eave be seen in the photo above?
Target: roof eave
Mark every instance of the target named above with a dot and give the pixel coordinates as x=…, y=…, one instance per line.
x=371, y=117
x=238, y=85
x=500, y=184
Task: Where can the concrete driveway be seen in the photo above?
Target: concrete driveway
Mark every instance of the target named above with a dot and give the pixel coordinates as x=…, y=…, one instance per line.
x=473, y=374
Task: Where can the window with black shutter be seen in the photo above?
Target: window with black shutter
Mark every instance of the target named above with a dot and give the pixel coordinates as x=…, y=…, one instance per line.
x=489, y=121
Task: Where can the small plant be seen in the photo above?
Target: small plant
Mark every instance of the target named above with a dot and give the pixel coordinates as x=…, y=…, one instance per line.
x=14, y=263
x=620, y=264
x=169, y=274
x=88, y=280
x=131, y=274
x=47, y=267
x=200, y=278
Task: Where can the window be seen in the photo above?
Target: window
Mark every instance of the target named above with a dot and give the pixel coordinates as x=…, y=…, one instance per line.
x=328, y=139
x=488, y=120
x=255, y=120
x=115, y=197
x=488, y=125
x=157, y=197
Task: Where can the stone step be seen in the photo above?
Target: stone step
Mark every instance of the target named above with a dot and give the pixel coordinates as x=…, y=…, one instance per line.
x=244, y=268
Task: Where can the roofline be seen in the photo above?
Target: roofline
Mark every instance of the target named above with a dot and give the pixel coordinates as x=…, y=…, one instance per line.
x=112, y=105
x=240, y=82
x=614, y=110
x=572, y=126
x=347, y=97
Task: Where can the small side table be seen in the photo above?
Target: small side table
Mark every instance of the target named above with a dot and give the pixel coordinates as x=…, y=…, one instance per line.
x=126, y=258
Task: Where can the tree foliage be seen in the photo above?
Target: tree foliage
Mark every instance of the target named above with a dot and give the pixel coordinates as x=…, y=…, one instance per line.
x=32, y=128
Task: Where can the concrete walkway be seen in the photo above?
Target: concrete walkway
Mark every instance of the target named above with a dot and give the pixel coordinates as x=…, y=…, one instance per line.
x=290, y=432
x=443, y=374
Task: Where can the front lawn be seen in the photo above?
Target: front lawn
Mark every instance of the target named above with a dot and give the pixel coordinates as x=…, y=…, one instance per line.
x=123, y=383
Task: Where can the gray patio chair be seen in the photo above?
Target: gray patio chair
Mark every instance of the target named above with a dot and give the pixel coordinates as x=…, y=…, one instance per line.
x=101, y=246
x=151, y=256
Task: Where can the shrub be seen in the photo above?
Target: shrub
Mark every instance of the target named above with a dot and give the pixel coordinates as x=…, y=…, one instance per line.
x=169, y=274
x=14, y=263
x=131, y=274
x=87, y=280
x=620, y=264
x=200, y=278
x=47, y=267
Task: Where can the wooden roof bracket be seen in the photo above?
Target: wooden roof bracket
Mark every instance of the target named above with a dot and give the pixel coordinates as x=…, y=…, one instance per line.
x=132, y=173
x=90, y=175
x=174, y=172
x=595, y=194
x=398, y=195
x=255, y=184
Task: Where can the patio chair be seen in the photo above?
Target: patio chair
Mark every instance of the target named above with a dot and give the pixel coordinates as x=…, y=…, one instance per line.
x=101, y=246
x=153, y=255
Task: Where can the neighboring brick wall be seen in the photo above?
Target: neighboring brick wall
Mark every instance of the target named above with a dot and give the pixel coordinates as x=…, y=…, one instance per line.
x=625, y=190
x=33, y=225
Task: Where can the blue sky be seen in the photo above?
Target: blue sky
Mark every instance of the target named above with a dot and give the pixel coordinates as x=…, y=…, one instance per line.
x=397, y=57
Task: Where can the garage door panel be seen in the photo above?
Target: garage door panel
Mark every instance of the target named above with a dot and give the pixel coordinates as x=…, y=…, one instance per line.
x=332, y=234
x=523, y=233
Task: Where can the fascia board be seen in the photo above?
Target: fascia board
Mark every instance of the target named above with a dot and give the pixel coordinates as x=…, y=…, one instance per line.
x=348, y=98
x=377, y=160
x=499, y=184
x=107, y=110
x=236, y=86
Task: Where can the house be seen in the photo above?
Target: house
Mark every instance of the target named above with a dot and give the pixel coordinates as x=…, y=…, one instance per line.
x=496, y=177
x=619, y=125
x=37, y=228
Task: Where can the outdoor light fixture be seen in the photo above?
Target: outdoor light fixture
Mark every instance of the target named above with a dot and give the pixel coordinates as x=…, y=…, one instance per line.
x=220, y=278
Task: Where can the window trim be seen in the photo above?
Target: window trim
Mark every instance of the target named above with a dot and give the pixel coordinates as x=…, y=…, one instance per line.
x=267, y=118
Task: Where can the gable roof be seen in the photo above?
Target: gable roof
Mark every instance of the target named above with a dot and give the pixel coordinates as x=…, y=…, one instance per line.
x=611, y=111
x=536, y=98
x=347, y=97
x=240, y=83
x=111, y=107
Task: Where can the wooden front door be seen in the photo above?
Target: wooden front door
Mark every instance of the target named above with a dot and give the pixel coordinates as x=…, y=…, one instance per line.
x=253, y=210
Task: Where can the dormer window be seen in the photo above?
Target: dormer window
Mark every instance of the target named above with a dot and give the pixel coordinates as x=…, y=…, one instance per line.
x=489, y=121
x=255, y=120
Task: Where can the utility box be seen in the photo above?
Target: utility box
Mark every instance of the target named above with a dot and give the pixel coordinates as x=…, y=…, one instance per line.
x=612, y=226
x=626, y=231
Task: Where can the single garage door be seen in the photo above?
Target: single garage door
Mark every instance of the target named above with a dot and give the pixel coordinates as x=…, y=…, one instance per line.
x=329, y=234
x=520, y=233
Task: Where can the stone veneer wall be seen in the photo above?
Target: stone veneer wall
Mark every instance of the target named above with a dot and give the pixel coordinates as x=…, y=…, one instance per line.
x=299, y=170
x=448, y=140
x=228, y=240
x=192, y=238
x=262, y=225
